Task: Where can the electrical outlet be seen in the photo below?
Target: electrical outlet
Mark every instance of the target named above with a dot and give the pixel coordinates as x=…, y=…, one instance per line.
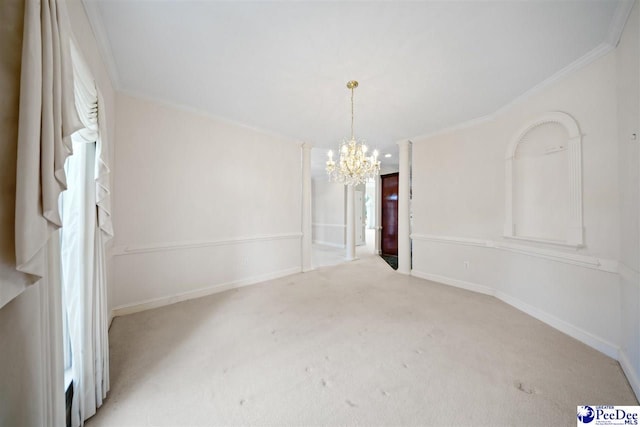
x=466, y=264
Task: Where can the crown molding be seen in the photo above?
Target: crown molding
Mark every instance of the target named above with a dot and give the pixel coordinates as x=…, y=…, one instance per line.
x=206, y=114
x=619, y=20
x=596, y=53
x=92, y=10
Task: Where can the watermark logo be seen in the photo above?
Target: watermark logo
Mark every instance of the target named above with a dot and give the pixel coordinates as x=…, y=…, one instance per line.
x=586, y=414
x=608, y=415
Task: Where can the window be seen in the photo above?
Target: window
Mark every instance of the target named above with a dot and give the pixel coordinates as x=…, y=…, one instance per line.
x=77, y=209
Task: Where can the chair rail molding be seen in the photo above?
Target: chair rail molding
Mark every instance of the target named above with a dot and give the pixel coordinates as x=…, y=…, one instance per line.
x=318, y=224
x=587, y=261
x=574, y=236
x=172, y=246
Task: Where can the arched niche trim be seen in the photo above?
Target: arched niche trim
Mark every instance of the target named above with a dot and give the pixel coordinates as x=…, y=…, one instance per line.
x=572, y=233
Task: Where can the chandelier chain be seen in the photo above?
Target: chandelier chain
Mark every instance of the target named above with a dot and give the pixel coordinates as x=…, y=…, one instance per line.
x=352, y=134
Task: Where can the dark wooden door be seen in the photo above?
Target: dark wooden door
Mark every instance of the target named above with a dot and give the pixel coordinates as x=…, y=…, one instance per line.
x=389, y=241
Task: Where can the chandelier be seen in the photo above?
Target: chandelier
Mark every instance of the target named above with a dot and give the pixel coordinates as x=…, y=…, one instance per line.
x=354, y=166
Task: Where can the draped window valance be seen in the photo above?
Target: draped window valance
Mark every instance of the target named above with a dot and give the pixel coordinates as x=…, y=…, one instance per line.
x=58, y=97
x=91, y=110
x=47, y=119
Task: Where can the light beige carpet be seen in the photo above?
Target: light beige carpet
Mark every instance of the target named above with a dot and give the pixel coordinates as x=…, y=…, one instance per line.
x=354, y=344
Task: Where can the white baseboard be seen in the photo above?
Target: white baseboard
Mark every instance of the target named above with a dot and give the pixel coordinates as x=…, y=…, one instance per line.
x=185, y=296
x=581, y=335
x=630, y=372
x=111, y=316
x=454, y=282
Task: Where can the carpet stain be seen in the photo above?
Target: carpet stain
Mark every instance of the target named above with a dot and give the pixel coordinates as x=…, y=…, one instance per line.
x=525, y=389
x=418, y=351
x=325, y=383
x=308, y=369
x=273, y=332
x=405, y=365
x=242, y=402
x=350, y=403
x=384, y=392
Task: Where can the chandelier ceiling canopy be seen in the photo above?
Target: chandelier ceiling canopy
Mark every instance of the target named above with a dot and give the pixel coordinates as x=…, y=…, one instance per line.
x=354, y=166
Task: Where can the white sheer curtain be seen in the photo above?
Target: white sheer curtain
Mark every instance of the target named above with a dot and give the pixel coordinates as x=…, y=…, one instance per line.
x=86, y=226
x=78, y=243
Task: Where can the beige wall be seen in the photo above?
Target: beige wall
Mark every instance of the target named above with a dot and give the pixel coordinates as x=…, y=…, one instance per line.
x=328, y=212
x=200, y=203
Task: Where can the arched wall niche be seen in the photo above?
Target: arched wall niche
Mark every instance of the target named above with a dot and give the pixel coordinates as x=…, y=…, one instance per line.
x=544, y=182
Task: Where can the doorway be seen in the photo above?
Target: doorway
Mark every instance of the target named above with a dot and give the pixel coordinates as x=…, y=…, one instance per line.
x=389, y=218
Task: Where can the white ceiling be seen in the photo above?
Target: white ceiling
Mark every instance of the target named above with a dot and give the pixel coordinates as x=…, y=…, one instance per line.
x=283, y=66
